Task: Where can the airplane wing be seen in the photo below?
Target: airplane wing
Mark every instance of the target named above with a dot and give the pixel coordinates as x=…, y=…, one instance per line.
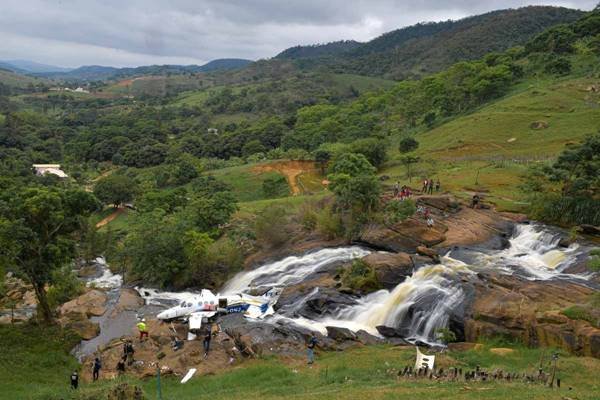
x=195, y=318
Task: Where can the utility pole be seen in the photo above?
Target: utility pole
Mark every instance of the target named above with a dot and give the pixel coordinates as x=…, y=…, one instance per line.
x=158, y=388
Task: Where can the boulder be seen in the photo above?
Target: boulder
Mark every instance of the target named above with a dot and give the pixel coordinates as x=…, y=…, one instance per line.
x=442, y=203
x=91, y=303
x=367, y=339
x=538, y=125
x=390, y=268
x=129, y=300
x=312, y=299
x=530, y=311
x=389, y=332
x=431, y=253
x=589, y=230
x=80, y=323
x=405, y=236
x=340, y=334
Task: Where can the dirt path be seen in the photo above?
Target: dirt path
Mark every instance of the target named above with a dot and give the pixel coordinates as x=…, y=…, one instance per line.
x=90, y=186
x=290, y=169
x=111, y=217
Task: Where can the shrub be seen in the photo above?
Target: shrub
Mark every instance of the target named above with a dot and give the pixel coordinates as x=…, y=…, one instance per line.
x=270, y=226
x=329, y=224
x=361, y=276
x=275, y=187
x=65, y=286
x=397, y=211
x=580, y=313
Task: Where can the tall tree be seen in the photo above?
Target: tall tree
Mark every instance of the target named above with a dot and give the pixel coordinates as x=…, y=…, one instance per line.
x=38, y=233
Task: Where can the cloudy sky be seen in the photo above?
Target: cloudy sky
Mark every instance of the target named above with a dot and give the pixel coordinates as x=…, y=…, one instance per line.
x=141, y=32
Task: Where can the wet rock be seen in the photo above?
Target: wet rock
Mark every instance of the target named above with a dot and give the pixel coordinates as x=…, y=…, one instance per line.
x=340, y=334
x=367, y=339
x=431, y=253
x=403, y=237
x=80, y=323
x=390, y=332
x=129, y=300
x=530, y=311
x=589, y=230
x=390, y=268
x=311, y=300
x=91, y=303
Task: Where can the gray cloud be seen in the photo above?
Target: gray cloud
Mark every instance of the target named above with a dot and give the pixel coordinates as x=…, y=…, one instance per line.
x=141, y=32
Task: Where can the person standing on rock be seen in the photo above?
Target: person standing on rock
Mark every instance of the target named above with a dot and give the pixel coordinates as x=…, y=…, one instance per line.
x=430, y=186
x=121, y=365
x=96, y=369
x=143, y=328
x=74, y=380
x=425, y=184
x=310, y=348
x=206, y=342
x=128, y=351
x=437, y=185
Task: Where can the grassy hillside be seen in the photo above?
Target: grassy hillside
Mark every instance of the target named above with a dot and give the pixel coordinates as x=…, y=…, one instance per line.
x=17, y=82
x=37, y=366
x=488, y=150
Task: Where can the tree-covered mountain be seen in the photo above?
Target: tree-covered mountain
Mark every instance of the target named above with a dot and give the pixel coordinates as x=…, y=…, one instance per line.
x=98, y=72
x=27, y=66
x=319, y=50
x=430, y=47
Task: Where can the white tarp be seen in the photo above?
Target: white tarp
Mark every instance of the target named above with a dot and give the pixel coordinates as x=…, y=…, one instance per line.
x=424, y=360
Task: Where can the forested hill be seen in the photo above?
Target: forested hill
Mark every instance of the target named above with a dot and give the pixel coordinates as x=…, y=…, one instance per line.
x=431, y=47
x=97, y=72
x=319, y=50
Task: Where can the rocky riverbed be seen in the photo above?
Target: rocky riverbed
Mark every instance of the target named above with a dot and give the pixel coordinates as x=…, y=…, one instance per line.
x=476, y=272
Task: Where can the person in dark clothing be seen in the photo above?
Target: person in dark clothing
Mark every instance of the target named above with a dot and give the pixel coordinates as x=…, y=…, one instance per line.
x=128, y=351
x=74, y=380
x=206, y=342
x=430, y=186
x=96, y=369
x=475, y=201
x=121, y=365
x=310, y=348
x=437, y=185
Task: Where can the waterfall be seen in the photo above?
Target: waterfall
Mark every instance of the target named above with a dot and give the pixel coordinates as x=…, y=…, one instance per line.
x=533, y=251
x=419, y=306
x=292, y=270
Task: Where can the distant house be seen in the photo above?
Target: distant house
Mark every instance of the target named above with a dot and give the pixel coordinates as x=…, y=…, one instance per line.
x=54, y=169
x=212, y=131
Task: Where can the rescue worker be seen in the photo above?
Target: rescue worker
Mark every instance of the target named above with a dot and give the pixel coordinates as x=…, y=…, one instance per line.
x=74, y=380
x=143, y=329
x=96, y=369
x=310, y=348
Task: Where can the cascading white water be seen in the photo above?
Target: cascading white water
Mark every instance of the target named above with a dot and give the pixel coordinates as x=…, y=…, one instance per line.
x=292, y=270
x=432, y=285
x=534, y=251
x=418, y=306
x=107, y=280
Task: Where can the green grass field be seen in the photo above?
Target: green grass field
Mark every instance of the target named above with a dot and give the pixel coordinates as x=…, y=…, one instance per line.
x=37, y=365
x=489, y=150
x=246, y=184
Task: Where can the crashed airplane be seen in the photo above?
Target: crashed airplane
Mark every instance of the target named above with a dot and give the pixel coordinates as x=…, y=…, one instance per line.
x=198, y=309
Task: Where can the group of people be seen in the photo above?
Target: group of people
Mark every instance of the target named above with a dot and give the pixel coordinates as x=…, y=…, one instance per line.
x=428, y=186
x=403, y=192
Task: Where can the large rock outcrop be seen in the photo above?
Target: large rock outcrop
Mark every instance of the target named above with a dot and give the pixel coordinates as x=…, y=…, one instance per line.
x=391, y=269
x=530, y=311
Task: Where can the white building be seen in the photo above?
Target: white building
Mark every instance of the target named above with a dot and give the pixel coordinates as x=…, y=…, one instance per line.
x=54, y=169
